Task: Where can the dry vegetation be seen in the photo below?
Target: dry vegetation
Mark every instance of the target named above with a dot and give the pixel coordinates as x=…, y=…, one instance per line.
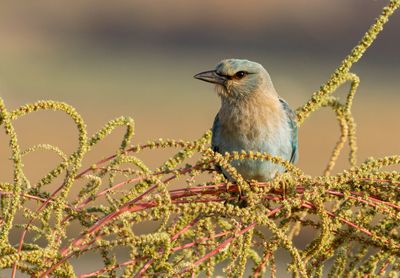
x=355, y=214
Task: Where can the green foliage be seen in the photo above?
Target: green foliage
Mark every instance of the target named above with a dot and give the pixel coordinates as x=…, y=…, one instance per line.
x=355, y=214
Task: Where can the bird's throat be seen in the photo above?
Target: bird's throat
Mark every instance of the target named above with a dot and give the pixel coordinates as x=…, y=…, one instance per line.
x=251, y=116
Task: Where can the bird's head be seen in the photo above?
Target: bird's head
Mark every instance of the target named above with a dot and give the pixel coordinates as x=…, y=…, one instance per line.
x=237, y=79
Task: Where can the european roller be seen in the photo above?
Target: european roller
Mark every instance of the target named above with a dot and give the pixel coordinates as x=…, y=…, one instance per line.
x=252, y=117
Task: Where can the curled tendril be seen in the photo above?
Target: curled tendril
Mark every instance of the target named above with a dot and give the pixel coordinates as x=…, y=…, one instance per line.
x=200, y=218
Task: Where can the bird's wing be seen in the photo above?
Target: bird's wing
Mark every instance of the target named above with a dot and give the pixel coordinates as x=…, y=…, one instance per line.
x=214, y=140
x=293, y=126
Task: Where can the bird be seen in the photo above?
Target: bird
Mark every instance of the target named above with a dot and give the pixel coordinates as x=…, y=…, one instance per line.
x=252, y=117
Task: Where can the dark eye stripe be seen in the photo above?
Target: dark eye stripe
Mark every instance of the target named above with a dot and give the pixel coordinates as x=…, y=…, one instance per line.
x=224, y=75
x=238, y=75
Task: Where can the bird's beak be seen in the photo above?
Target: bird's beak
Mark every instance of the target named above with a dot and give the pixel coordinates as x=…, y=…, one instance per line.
x=211, y=76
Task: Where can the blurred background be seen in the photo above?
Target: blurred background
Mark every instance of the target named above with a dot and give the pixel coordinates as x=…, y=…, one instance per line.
x=137, y=58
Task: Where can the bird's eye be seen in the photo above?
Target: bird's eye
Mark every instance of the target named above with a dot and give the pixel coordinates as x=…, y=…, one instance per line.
x=240, y=74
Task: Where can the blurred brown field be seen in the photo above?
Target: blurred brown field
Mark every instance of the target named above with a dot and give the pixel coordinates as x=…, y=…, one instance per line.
x=166, y=102
x=137, y=59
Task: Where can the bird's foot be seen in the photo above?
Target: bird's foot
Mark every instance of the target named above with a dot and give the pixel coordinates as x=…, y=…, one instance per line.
x=237, y=199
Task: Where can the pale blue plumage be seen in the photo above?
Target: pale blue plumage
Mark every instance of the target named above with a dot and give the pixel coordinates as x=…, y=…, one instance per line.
x=292, y=123
x=252, y=118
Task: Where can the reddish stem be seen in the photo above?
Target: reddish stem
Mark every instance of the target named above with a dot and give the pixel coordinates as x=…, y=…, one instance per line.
x=344, y=220
x=133, y=206
x=228, y=241
x=105, y=269
x=173, y=238
x=261, y=266
x=104, y=160
x=383, y=268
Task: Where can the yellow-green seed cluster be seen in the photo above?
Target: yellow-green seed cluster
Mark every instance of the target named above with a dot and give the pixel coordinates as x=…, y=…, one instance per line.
x=197, y=224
